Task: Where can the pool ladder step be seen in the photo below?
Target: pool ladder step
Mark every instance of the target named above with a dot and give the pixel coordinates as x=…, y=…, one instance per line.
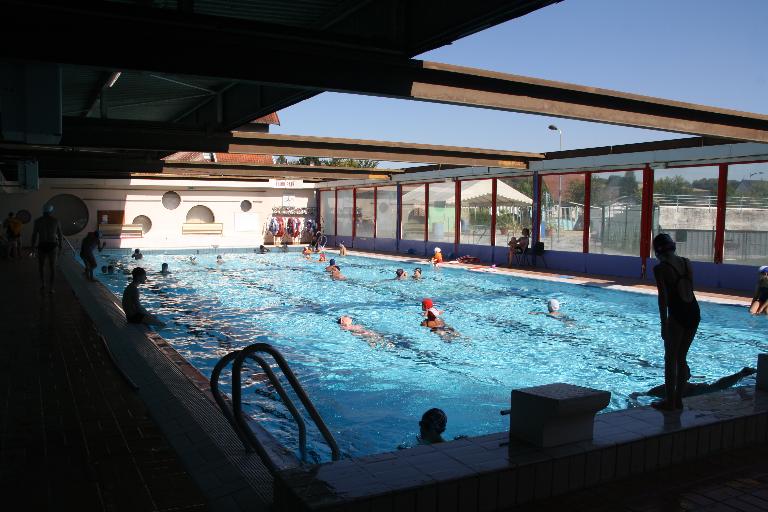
x=235, y=414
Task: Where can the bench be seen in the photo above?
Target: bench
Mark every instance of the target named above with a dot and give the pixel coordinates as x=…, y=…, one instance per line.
x=555, y=414
x=202, y=228
x=121, y=230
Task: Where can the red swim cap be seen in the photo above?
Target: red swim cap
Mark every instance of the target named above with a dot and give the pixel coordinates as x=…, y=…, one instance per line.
x=426, y=303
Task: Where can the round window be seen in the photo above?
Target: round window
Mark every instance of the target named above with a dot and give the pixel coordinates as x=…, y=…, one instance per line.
x=24, y=216
x=246, y=206
x=171, y=200
x=146, y=223
x=71, y=212
x=200, y=215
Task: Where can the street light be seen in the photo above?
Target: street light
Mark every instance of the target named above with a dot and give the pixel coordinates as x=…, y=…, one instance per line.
x=559, y=182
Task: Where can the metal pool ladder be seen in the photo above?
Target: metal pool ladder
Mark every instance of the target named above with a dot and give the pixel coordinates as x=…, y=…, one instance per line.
x=236, y=417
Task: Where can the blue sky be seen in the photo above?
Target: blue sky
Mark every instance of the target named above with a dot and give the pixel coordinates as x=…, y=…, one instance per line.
x=701, y=51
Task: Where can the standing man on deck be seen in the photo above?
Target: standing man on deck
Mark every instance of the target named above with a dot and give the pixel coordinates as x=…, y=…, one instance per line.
x=48, y=232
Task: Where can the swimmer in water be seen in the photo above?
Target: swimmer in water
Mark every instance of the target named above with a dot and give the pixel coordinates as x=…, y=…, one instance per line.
x=331, y=265
x=193, y=260
x=431, y=313
x=400, y=274
x=336, y=274
x=164, y=269
x=432, y=426
x=553, y=311
x=416, y=273
x=373, y=338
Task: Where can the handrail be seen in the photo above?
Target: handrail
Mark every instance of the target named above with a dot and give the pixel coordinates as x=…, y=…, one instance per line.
x=214, y=383
x=294, y=382
x=237, y=401
x=235, y=415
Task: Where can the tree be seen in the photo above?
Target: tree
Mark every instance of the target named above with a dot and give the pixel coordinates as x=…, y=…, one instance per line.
x=628, y=186
x=333, y=162
x=673, y=186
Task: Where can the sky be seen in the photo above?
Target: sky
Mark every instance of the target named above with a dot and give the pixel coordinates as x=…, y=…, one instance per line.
x=700, y=51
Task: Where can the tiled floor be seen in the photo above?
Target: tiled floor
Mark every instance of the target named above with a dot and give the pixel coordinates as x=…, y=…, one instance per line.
x=73, y=434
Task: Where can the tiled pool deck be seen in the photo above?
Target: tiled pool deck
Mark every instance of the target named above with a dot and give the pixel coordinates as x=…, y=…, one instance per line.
x=73, y=433
x=67, y=456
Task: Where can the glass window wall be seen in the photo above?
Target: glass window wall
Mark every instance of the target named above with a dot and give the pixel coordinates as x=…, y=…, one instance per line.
x=414, y=212
x=476, y=209
x=615, y=212
x=514, y=207
x=344, y=211
x=327, y=212
x=746, y=215
x=364, y=214
x=685, y=207
x=562, y=212
x=442, y=212
x=386, y=212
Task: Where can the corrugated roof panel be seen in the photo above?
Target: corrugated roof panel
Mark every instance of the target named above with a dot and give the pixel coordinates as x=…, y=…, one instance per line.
x=77, y=86
x=301, y=13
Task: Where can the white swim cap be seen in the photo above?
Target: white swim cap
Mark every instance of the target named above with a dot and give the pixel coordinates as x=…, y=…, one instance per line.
x=762, y=269
x=437, y=249
x=553, y=304
x=48, y=208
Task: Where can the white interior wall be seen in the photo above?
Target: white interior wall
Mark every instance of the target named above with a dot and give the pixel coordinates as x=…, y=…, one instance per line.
x=144, y=197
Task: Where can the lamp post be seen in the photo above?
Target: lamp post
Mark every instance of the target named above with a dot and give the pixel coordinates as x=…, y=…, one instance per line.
x=559, y=182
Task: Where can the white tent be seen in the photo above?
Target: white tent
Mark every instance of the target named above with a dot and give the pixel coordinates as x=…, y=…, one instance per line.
x=478, y=194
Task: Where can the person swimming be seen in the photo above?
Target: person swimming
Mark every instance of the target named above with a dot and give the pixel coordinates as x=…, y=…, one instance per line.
x=306, y=252
x=137, y=254
x=263, y=250
x=432, y=425
x=321, y=258
x=193, y=260
x=110, y=269
x=103, y=269
x=336, y=274
x=219, y=259
x=431, y=313
x=347, y=324
x=331, y=265
x=416, y=273
x=400, y=274
x=164, y=269
x=553, y=311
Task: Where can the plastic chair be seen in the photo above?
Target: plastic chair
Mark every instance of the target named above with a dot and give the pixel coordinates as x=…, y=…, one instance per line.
x=537, y=252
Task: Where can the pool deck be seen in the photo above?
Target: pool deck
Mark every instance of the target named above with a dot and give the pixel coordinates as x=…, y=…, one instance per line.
x=74, y=435
x=74, y=432
x=717, y=295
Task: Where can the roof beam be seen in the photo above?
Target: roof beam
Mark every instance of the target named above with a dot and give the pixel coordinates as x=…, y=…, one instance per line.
x=94, y=133
x=302, y=59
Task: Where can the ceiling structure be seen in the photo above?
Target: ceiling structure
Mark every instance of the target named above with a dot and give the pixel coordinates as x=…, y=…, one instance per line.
x=140, y=80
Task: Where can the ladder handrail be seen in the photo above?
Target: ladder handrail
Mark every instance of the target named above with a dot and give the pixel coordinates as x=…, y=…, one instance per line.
x=237, y=401
x=297, y=388
x=235, y=415
x=226, y=411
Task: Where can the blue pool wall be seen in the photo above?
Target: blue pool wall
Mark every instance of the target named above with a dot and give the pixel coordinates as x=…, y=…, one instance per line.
x=706, y=274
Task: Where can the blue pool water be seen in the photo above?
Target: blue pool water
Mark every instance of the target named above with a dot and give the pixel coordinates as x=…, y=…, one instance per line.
x=372, y=395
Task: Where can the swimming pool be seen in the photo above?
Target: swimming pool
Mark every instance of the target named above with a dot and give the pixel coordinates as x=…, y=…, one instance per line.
x=372, y=395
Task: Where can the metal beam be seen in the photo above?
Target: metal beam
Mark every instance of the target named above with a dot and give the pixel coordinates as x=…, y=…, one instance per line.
x=312, y=61
x=88, y=133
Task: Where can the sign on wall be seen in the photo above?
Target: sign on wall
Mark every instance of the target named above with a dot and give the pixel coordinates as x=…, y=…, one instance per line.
x=289, y=200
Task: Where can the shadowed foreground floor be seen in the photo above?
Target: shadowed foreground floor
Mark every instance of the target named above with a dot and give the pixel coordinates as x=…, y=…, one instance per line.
x=73, y=434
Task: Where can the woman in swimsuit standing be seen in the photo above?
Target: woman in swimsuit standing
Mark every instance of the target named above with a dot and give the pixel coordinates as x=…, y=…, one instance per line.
x=679, y=314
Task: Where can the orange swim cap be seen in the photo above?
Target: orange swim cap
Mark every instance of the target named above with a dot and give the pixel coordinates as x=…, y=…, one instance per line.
x=426, y=303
